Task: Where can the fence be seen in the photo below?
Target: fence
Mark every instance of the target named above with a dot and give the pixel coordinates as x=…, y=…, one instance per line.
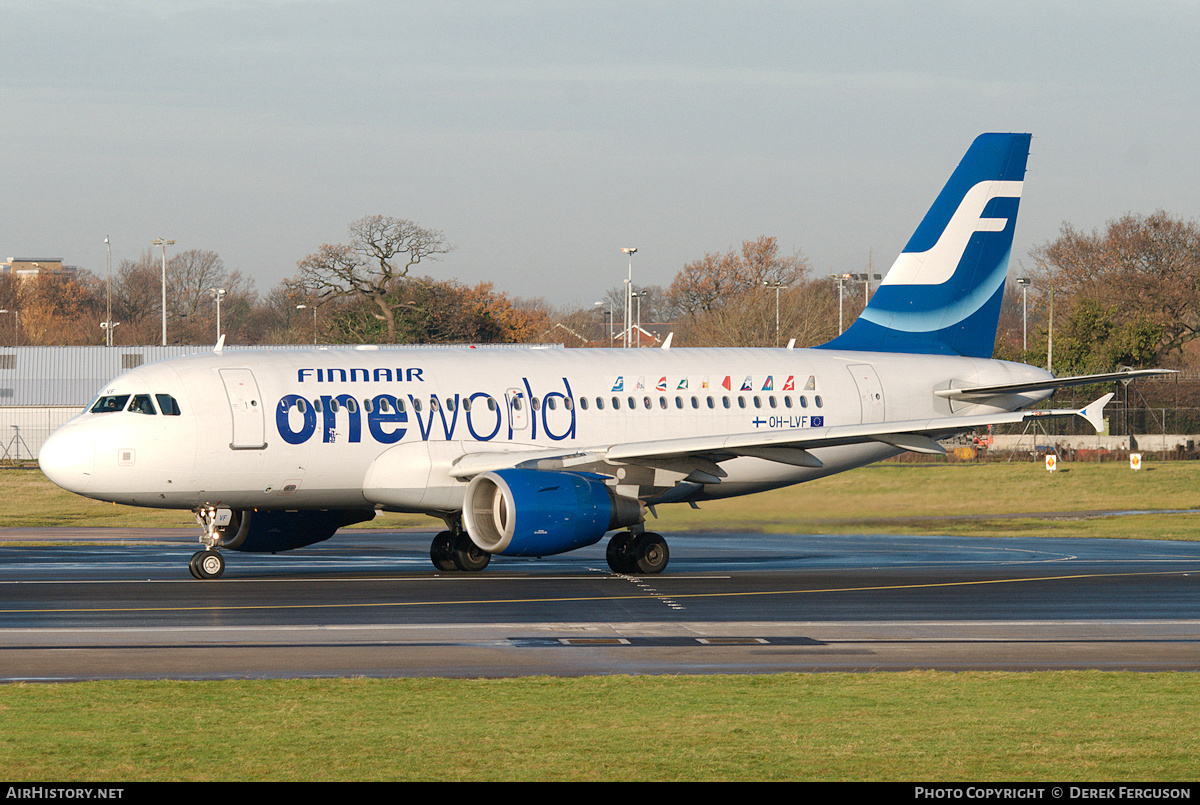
x=23, y=429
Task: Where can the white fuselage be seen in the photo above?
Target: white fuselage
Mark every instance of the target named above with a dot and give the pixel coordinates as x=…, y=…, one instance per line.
x=380, y=428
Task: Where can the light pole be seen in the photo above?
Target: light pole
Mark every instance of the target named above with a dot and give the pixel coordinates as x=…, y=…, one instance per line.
x=218, y=293
x=1024, y=283
x=164, y=244
x=840, y=279
x=628, y=294
x=638, y=295
x=314, y=310
x=608, y=318
x=108, y=325
x=776, y=285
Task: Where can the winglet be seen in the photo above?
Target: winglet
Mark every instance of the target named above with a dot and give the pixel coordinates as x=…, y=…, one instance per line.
x=667, y=343
x=220, y=344
x=1094, y=413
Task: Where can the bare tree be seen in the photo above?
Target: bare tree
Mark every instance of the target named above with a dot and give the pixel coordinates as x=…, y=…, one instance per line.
x=381, y=252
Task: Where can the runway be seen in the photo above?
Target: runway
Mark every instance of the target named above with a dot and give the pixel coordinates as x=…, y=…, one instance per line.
x=93, y=604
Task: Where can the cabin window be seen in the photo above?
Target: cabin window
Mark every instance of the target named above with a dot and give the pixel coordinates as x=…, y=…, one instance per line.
x=787, y=402
x=616, y=403
x=725, y=401
x=741, y=401
x=771, y=401
x=599, y=403
x=757, y=401
x=803, y=401
x=583, y=403
x=711, y=403
x=817, y=399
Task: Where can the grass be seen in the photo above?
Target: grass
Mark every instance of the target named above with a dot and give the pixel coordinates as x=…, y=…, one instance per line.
x=953, y=499
x=907, y=726
x=934, y=726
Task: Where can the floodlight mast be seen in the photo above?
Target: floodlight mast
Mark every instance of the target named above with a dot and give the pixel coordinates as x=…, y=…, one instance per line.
x=631, y=251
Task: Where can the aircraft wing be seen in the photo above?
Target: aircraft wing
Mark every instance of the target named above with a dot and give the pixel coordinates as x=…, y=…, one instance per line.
x=784, y=446
x=977, y=393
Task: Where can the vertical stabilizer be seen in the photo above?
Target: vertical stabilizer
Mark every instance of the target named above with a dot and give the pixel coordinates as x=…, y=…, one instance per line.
x=942, y=295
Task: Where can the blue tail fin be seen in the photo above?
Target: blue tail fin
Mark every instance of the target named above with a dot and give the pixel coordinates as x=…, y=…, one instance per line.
x=942, y=295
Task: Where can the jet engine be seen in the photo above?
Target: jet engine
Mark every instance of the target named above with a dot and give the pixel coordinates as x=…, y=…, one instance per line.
x=519, y=512
x=262, y=531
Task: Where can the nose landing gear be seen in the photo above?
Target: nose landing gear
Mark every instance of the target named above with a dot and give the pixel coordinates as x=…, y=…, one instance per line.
x=207, y=564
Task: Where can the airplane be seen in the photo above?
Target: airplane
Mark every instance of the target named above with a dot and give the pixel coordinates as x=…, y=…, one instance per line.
x=533, y=452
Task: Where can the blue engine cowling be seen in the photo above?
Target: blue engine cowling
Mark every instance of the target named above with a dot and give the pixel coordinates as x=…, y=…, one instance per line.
x=539, y=513
x=262, y=531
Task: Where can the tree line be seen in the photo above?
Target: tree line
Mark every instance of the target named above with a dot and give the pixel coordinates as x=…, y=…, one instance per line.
x=1124, y=295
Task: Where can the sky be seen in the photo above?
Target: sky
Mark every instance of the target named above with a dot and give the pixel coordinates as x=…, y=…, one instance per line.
x=542, y=137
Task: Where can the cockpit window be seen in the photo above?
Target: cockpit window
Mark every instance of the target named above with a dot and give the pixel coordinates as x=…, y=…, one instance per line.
x=167, y=404
x=141, y=405
x=109, y=403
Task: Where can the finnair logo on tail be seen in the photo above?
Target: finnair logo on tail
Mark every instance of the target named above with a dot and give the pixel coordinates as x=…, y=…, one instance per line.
x=937, y=265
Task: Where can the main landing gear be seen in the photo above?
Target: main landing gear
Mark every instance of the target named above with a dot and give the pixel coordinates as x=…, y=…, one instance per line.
x=632, y=553
x=454, y=550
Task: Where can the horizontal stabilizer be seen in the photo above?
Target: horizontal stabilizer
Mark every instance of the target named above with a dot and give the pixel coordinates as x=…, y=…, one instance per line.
x=976, y=393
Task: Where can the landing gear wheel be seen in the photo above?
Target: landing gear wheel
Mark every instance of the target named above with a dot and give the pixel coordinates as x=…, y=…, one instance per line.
x=207, y=565
x=469, y=556
x=442, y=551
x=620, y=552
x=650, y=554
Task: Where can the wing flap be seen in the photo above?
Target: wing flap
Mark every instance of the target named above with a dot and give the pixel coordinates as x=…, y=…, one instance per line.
x=787, y=446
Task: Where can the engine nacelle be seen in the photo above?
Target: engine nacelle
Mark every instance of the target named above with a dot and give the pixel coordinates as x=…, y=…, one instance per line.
x=536, y=513
x=262, y=531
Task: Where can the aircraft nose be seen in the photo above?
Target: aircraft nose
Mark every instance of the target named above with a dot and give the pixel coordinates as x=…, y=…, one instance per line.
x=67, y=458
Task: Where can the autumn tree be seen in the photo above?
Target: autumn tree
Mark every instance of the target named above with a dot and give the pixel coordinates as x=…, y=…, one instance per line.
x=380, y=254
x=717, y=280
x=441, y=312
x=59, y=309
x=1141, y=274
x=731, y=299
